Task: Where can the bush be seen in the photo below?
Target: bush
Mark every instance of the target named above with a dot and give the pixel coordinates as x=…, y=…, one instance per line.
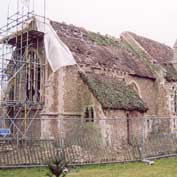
x=58, y=166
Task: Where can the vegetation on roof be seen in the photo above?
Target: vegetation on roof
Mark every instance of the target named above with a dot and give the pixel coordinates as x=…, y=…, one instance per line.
x=113, y=93
x=109, y=52
x=159, y=51
x=141, y=55
x=171, y=73
x=104, y=40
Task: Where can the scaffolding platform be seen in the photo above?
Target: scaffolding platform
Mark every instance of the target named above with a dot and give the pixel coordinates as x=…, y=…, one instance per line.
x=16, y=39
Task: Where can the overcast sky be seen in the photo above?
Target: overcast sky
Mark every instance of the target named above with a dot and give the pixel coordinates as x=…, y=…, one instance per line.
x=156, y=19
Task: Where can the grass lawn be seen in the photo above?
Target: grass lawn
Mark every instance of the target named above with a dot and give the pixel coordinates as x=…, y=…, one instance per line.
x=161, y=168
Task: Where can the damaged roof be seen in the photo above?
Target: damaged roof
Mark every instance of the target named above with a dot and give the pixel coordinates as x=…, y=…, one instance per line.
x=160, y=52
x=113, y=93
x=171, y=73
x=94, y=49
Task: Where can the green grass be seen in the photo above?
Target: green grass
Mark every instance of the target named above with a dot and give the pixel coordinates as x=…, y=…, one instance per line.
x=161, y=168
x=30, y=172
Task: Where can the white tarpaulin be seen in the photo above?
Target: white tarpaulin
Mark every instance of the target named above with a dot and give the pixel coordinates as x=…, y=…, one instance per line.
x=57, y=52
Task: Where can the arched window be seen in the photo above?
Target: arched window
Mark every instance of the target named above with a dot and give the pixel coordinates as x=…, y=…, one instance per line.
x=92, y=114
x=86, y=114
x=34, y=72
x=89, y=114
x=174, y=100
x=175, y=105
x=134, y=86
x=128, y=129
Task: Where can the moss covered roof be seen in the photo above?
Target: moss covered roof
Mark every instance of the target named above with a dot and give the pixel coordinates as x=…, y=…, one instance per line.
x=171, y=73
x=113, y=93
x=94, y=49
x=160, y=52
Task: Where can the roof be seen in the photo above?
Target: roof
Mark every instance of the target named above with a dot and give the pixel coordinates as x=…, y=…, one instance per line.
x=160, y=52
x=171, y=73
x=95, y=49
x=113, y=93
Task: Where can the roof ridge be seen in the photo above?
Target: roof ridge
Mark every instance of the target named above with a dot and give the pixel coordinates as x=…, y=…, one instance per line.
x=152, y=40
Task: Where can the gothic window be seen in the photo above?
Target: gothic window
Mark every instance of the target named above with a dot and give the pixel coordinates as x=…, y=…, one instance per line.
x=33, y=77
x=128, y=129
x=134, y=86
x=89, y=114
x=174, y=100
x=174, y=123
x=175, y=105
x=148, y=124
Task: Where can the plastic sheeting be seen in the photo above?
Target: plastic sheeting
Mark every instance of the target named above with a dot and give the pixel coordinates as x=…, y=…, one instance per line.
x=57, y=53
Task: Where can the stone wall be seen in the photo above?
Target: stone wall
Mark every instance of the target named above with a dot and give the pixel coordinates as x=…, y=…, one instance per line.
x=155, y=94
x=147, y=91
x=67, y=96
x=162, y=101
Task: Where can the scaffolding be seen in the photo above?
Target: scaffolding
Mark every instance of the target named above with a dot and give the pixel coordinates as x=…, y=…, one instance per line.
x=22, y=72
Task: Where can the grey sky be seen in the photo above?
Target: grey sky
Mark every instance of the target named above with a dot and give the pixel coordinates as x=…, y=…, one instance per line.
x=155, y=19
